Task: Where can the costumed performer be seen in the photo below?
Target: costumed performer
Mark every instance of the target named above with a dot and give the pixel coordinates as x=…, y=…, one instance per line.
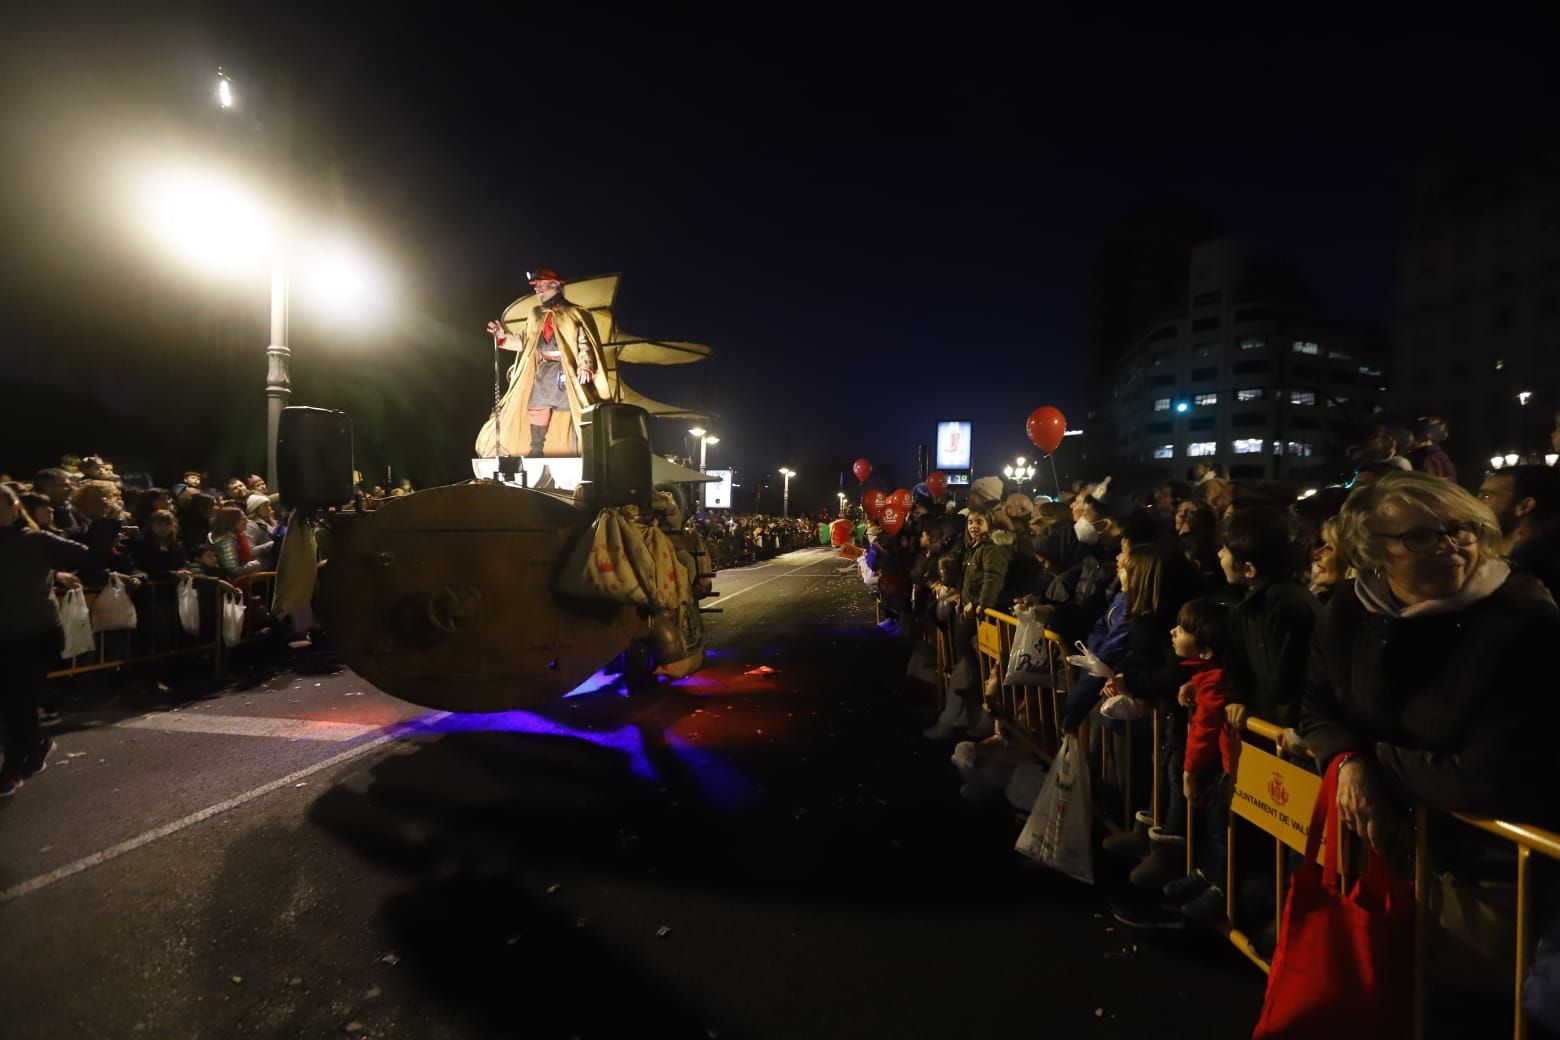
x=559, y=370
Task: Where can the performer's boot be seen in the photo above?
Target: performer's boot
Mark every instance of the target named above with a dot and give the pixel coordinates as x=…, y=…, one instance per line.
x=538, y=441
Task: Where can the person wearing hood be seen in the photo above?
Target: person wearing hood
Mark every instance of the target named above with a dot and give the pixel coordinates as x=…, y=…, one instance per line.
x=1430, y=676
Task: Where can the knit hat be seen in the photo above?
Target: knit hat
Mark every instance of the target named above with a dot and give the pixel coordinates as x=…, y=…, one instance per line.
x=254, y=502
x=989, y=488
x=1018, y=502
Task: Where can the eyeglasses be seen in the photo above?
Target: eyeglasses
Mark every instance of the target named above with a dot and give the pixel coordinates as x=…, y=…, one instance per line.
x=1423, y=539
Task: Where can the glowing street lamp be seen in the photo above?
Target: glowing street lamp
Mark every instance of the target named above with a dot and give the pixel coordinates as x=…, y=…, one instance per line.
x=705, y=440
x=785, y=498
x=219, y=226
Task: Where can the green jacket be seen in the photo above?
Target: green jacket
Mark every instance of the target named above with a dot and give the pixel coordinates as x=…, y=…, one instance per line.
x=985, y=570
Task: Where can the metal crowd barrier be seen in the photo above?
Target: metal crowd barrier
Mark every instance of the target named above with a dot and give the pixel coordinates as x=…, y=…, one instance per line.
x=1275, y=794
x=158, y=635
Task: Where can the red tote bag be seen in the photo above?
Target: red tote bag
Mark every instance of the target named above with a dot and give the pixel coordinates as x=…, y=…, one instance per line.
x=1344, y=965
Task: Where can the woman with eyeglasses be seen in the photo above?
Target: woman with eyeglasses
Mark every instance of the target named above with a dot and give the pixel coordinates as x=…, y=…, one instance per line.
x=1433, y=669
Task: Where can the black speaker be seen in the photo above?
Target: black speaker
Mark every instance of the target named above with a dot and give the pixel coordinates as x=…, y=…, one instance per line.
x=616, y=443
x=314, y=458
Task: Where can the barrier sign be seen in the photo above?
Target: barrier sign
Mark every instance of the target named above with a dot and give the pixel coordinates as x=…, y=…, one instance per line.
x=1275, y=795
x=988, y=638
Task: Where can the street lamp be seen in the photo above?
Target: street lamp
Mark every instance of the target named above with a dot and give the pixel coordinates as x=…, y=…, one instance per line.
x=221, y=227
x=705, y=440
x=785, y=499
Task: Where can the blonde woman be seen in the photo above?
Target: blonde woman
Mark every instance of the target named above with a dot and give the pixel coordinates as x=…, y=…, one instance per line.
x=1431, y=676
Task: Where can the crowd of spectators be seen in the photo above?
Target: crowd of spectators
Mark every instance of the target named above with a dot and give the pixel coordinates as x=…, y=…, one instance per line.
x=82, y=525
x=734, y=540
x=1396, y=623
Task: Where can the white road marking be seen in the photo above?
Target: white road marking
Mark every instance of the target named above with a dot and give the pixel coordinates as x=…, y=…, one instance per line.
x=251, y=726
x=724, y=599
x=32, y=885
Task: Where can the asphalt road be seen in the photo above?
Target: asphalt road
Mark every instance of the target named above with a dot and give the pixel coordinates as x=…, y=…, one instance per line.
x=740, y=855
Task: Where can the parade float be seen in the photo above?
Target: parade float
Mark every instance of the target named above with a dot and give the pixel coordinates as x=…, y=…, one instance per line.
x=513, y=588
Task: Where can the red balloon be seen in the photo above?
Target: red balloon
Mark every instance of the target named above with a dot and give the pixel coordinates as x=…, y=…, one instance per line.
x=1046, y=426
x=937, y=483
x=873, y=502
x=863, y=469
x=840, y=532
x=902, y=499
x=891, y=519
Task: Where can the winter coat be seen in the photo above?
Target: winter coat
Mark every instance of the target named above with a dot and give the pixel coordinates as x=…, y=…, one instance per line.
x=985, y=570
x=158, y=561
x=28, y=560
x=1455, y=707
x=1110, y=639
x=1270, y=646
x=1149, y=664
x=1082, y=592
x=1207, y=734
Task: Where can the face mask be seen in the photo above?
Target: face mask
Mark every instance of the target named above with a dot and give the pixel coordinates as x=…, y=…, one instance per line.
x=1086, y=531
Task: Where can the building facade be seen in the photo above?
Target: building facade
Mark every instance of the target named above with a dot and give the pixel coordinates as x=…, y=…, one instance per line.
x=1248, y=375
x=1477, y=337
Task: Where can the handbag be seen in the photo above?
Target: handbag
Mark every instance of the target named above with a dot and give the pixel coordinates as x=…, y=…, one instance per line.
x=1344, y=964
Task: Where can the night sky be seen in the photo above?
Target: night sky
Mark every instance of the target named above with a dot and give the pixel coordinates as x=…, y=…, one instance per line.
x=876, y=219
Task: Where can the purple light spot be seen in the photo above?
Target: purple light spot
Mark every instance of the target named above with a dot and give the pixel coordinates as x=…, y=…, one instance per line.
x=599, y=681
x=725, y=787
x=625, y=739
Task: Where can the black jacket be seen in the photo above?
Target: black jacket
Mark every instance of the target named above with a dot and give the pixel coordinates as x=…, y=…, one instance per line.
x=1270, y=647
x=1456, y=708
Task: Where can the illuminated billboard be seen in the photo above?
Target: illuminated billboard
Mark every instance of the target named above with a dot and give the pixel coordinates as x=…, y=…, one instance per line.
x=953, y=445
x=717, y=493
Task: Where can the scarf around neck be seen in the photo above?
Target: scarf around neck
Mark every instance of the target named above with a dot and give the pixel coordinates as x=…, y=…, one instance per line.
x=1376, y=595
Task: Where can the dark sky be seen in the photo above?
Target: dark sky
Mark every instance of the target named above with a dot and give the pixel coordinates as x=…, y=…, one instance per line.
x=876, y=219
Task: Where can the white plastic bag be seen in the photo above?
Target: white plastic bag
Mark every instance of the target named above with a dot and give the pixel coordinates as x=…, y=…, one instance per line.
x=77, y=624
x=1059, y=829
x=1086, y=660
x=232, y=617
x=1125, y=709
x=1028, y=661
x=189, y=607
x=112, y=610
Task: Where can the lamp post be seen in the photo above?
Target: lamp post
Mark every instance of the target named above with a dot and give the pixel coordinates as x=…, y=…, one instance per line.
x=785, y=498
x=705, y=440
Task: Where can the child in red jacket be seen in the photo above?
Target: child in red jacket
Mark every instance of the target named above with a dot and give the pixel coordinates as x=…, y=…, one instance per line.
x=1199, y=638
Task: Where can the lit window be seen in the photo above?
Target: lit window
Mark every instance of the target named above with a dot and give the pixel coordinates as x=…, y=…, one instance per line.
x=1202, y=449
x=1305, y=346
x=1248, y=445
x=1299, y=448
x=1302, y=397
x=1372, y=370
x=1165, y=451
x=1161, y=404
x=1250, y=394
x=1341, y=355
x=1253, y=343
x=1202, y=400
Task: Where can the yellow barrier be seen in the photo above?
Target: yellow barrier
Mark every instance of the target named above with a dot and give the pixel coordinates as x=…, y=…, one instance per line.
x=1275, y=795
